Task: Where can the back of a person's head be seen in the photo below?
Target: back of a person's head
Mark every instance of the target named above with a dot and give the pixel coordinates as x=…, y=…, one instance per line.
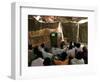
x=78, y=45
x=46, y=49
x=79, y=55
x=39, y=54
x=75, y=44
x=47, y=61
x=55, y=46
x=30, y=46
x=63, y=56
x=85, y=49
x=36, y=50
x=42, y=45
x=71, y=45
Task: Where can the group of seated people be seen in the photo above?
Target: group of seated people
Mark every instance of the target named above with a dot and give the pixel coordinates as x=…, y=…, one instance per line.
x=65, y=55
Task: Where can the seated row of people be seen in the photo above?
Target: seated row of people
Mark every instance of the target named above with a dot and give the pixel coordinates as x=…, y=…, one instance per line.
x=59, y=59
x=74, y=54
x=77, y=52
x=43, y=56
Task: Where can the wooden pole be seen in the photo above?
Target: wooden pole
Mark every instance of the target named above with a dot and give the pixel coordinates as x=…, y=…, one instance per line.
x=77, y=36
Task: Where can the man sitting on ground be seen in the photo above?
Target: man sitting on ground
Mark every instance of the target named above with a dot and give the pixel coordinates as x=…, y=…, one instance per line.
x=78, y=59
x=61, y=59
x=39, y=61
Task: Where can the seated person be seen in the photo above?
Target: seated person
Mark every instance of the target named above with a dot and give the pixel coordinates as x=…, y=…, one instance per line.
x=39, y=61
x=74, y=44
x=62, y=45
x=71, y=45
x=29, y=57
x=78, y=59
x=29, y=46
x=85, y=55
x=41, y=47
x=71, y=53
x=47, y=61
x=78, y=47
x=46, y=53
x=55, y=50
x=61, y=59
x=32, y=54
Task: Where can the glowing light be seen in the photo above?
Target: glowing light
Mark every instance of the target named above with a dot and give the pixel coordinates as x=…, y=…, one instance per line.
x=60, y=30
x=37, y=17
x=83, y=21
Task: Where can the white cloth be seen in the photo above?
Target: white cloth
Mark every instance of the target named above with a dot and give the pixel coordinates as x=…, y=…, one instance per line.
x=77, y=61
x=71, y=52
x=56, y=51
x=79, y=49
x=37, y=62
x=40, y=48
x=46, y=54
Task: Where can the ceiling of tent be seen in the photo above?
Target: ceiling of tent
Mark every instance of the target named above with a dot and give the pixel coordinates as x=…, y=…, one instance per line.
x=53, y=19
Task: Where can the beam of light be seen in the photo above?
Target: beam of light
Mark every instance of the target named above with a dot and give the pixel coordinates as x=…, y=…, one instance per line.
x=83, y=21
x=60, y=30
x=37, y=18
